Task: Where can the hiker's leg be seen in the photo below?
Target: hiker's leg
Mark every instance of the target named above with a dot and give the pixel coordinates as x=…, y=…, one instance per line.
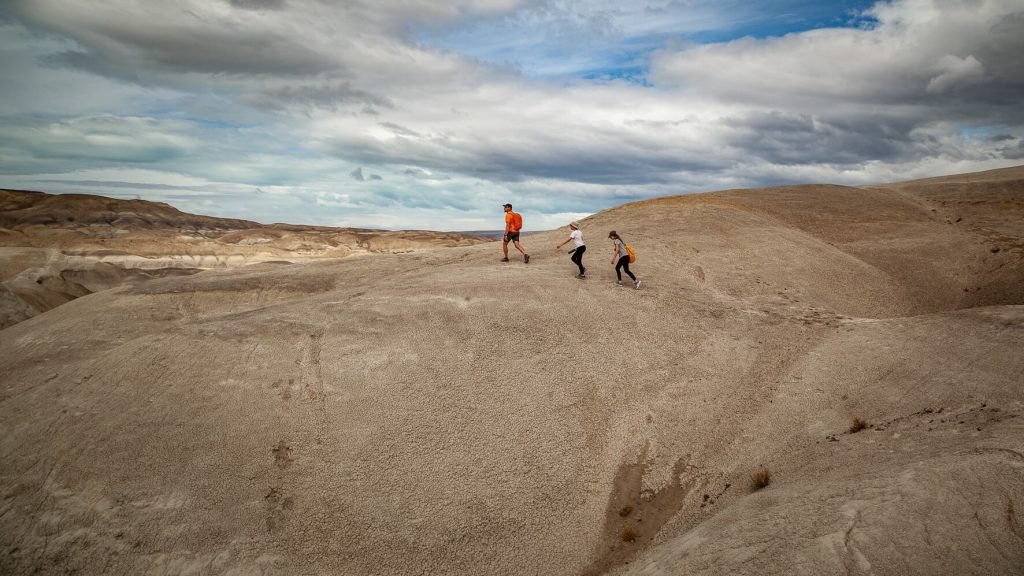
x=618, y=270
x=518, y=247
x=577, y=257
x=625, y=266
x=504, y=247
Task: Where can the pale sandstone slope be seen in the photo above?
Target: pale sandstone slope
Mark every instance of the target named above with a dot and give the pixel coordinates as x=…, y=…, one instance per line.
x=55, y=248
x=444, y=413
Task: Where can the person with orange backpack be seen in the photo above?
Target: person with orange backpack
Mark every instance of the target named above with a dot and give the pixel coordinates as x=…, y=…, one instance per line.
x=621, y=258
x=513, y=224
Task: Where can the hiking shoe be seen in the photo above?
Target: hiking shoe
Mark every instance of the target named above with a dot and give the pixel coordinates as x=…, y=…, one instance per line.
x=637, y=284
x=504, y=259
x=526, y=258
x=618, y=283
x=584, y=273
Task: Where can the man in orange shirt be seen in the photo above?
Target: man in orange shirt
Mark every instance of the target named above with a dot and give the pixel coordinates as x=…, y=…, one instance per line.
x=513, y=223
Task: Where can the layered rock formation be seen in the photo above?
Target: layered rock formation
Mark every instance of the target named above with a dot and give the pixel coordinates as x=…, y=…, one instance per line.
x=54, y=248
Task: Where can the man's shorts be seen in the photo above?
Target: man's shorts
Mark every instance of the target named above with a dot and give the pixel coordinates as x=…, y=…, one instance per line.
x=512, y=237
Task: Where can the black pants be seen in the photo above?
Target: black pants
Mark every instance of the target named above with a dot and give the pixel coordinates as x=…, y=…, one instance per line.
x=623, y=265
x=577, y=257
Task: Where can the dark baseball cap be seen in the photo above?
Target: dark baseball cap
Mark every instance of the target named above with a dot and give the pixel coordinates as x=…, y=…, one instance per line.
x=506, y=205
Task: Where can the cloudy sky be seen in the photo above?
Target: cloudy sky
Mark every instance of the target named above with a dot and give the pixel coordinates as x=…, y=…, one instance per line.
x=427, y=114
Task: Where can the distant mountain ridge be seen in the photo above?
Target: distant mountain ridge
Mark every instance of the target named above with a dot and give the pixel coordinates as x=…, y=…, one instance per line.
x=25, y=208
x=58, y=247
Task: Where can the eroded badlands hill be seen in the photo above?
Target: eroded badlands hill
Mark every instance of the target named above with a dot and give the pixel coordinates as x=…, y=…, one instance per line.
x=443, y=413
x=55, y=248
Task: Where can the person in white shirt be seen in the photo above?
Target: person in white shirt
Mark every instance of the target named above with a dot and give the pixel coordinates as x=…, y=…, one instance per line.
x=576, y=237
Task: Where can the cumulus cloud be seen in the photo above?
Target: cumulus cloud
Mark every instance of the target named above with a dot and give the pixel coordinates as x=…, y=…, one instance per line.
x=913, y=49
x=955, y=72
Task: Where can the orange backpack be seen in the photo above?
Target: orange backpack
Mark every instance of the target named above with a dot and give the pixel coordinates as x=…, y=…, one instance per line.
x=632, y=255
x=517, y=222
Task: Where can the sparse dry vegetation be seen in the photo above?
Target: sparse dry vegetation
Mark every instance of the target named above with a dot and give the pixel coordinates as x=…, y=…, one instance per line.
x=761, y=478
x=626, y=511
x=628, y=534
x=857, y=424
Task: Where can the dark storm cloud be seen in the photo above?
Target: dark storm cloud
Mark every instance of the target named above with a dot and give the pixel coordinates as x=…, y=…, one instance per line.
x=1003, y=61
x=156, y=38
x=1013, y=152
x=790, y=138
x=611, y=167
x=213, y=52
x=617, y=161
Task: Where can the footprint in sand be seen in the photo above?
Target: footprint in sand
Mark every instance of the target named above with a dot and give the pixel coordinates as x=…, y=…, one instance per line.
x=282, y=454
x=277, y=503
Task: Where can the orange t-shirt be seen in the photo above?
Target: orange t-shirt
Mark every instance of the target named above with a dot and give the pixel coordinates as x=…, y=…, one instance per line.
x=510, y=222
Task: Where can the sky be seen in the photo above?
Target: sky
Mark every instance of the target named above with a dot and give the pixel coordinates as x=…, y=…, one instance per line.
x=418, y=114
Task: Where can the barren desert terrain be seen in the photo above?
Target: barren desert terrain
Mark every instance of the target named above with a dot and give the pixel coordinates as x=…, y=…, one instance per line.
x=55, y=248
x=441, y=412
